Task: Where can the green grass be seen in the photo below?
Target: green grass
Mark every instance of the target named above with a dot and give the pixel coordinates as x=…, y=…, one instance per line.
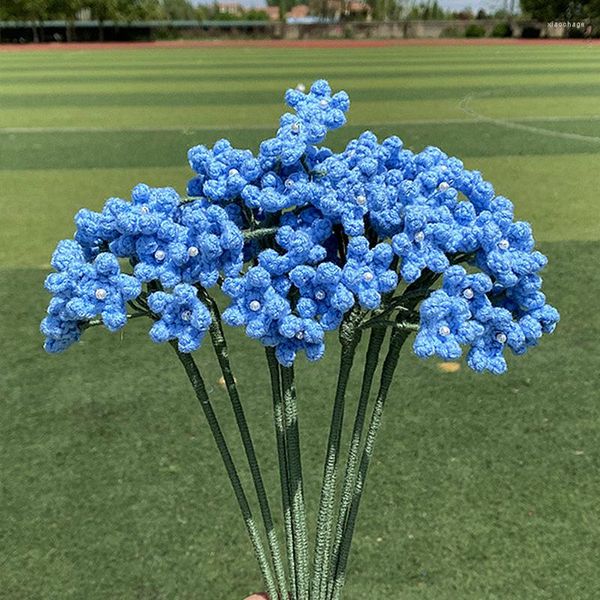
x=483, y=487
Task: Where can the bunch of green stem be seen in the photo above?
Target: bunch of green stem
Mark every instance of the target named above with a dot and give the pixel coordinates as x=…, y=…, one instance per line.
x=334, y=528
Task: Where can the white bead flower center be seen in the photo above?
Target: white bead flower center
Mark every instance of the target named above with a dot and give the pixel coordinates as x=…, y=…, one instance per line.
x=443, y=186
x=186, y=315
x=159, y=255
x=468, y=293
x=289, y=182
x=368, y=276
x=144, y=209
x=444, y=330
x=504, y=244
x=193, y=251
x=233, y=172
x=361, y=199
x=101, y=294
x=419, y=236
x=320, y=295
x=501, y=338
x=254, y=305
x=295, y=127
x=300, y=335
x=323, y=103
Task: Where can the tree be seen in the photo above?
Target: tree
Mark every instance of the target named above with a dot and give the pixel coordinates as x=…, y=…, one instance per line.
x=178, y=10
x=561, y=10
x=28, y=10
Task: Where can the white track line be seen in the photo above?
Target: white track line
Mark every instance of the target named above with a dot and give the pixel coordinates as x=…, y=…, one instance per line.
x=475, y=116
x=464, y=105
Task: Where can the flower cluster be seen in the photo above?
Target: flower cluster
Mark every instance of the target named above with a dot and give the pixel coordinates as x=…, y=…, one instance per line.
x=297, y=236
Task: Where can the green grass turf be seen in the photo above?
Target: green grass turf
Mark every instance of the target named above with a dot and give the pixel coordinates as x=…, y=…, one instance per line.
x=482, y=487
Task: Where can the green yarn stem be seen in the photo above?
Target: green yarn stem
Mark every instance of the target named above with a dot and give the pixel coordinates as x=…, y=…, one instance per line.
x=376, y=340
x=397, y=339
x=295, y=481
x=284, y=476
x=197, y=382
x=219, y=343
x=349, y=338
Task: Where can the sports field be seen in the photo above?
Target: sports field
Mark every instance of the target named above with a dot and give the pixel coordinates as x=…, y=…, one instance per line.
x=483, y=487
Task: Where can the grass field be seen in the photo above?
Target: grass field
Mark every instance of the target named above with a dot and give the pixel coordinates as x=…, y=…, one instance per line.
x=483, y=488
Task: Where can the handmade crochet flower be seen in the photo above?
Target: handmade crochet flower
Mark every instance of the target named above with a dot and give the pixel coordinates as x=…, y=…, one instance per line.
x=446, y=324
x=120, y=222
x=471, y=287
x=258, y=301
x=367, y=273
x=292, y=187
x=322, y=293
x=353, y=182
x=421, y=245
x=182, y=317
x=300, y=238
x=213, y=244
x=83, y=291
x=500, y=331
x=159, y=254
x=507, y=247
x=299, y=334
x=316, y=113
x=223, y=172
x=527, y=303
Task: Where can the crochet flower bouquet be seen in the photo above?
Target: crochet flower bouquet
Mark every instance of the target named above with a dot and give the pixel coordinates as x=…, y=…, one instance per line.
x=374, y=240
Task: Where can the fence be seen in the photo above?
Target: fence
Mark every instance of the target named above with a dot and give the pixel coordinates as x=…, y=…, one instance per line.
x=89, y=31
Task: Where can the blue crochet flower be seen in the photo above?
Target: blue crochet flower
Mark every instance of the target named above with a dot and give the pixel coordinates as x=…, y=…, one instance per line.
x=84, y=290
x=223, y=172
x=473, y=288
x=299, y=334
x=445, y=325
x=258, y=302
x=292, y=187
x=475, y=188
x=60, y=333
x=500, y=331
x=214, y=244
x=300, y=237
x=422, y=244
x=182, y=317
x=387, y=206
x=528, y=305
x=322, y=294
x=506, y=247
x=316, y=113
x=354, y=182
x=120, y=222
x=367, y=273
x=159, y=255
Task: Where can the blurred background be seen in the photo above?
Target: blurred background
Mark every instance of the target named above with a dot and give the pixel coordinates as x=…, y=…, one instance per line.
x=24, y=21
x=483, y=487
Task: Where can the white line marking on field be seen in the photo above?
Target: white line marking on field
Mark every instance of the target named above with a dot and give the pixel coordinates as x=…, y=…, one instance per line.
x=475, y=116
x=464, y=105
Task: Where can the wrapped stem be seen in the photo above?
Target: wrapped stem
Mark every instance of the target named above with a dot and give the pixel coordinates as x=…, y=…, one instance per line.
x=398, y=337
x=219, y=343
x=292, y=436
x=371, y=362
x=284, y=475
x=197, y=382
x=349, y=337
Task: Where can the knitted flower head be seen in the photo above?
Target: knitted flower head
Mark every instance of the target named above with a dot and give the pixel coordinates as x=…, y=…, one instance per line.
x=299, y=238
